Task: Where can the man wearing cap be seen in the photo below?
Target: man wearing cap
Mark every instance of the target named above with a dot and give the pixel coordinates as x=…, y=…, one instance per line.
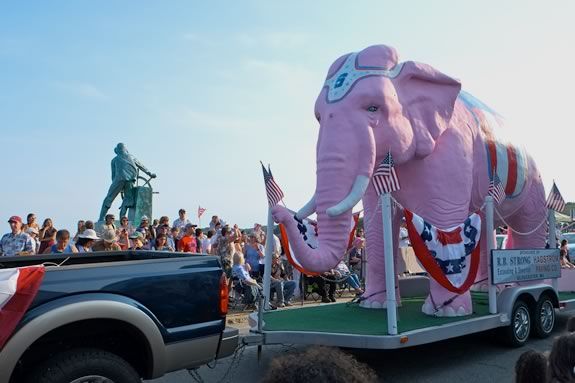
x=33, y=233
x=124, y=174
x=181, y=222
x=16, y=242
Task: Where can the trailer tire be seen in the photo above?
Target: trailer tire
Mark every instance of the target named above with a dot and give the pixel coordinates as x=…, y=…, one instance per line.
x=83, y=364
x=517, y=333
x=543, y=317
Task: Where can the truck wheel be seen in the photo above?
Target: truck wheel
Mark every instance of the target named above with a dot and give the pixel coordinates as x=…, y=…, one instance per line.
x=84, y=365
x=544, y=317
x=517, y=333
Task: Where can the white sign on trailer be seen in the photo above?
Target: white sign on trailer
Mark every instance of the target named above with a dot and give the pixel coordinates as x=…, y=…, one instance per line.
x=524, y=265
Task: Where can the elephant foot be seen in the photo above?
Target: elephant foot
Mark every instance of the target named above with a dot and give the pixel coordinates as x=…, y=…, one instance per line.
x=379, y=301
x=460, y=306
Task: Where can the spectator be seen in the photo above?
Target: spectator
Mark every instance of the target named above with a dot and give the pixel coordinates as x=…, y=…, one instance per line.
x=62, y=244
x=181, y=222
x=16, y=242
x=124, y=232
x=207, y=242
x=86, y=240
x=321, y=281
x=187, y=243
x=531, y=367
x=137, y=241
x=79, y=230
x=108, y=242
x=89, y=225
x=342, y=272
x=109, y=223
x=30, y=222
x=165, y=220
x=254, y=255
x=259, y=233
x=318, y=364
x=47, y=235
x=215, y=220
x=240, y=271
x=174, y=234
x=225, y=249
x=155, y=224
x=284, y=288
x=562, y=360
x=33, y=233
x=161, y=243
x=355, y=254
x=199, y=239
x=145, y=228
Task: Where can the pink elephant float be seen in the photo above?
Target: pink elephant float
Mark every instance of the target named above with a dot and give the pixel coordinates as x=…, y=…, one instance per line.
x=444, y=152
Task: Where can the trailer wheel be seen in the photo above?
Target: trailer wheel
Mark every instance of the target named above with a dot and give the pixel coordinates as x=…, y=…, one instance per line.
x=85, y=365
x=544, y=317
x=517, y=333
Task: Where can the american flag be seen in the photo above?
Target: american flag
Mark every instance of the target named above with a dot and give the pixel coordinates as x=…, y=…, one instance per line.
x=273, y=191
x=385, y=179
x=201, y=211
x=555, y=201
x=496, y=189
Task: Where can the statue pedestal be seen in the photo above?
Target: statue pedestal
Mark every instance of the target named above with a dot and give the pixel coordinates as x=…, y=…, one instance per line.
x=142, y=205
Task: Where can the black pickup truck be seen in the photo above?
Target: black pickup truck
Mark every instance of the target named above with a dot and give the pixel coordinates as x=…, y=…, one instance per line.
x=119, y=317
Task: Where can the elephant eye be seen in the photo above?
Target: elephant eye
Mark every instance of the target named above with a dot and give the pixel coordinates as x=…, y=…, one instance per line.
x=372, y=108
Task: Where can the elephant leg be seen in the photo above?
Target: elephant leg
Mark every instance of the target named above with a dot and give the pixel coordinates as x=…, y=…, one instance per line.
x=441, y=302
x=375, y=293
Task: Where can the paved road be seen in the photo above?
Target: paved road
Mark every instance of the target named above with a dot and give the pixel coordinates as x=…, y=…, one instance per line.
x=474, y=358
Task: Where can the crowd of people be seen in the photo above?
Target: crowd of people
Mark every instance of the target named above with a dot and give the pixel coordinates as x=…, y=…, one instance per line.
x=555, y=366
x=241, y=251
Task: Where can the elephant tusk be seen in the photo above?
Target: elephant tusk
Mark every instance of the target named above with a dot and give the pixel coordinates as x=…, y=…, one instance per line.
x=357, y=190
x=307, y=210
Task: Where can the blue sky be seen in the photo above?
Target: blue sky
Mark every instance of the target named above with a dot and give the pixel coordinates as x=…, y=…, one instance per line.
x=201, y=91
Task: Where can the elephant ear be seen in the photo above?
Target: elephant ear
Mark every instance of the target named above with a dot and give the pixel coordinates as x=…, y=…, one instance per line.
x=428, y=98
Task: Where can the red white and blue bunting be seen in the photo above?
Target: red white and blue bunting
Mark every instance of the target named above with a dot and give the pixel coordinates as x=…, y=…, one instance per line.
x=450, y=256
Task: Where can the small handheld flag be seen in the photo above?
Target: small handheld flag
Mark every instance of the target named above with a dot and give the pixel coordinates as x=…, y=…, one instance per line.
x=201, y=211
x=496, y=189
x=273, y=191
x=385, y=179
x=555, y=201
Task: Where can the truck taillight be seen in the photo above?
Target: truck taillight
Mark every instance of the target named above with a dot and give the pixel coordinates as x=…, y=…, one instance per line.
x=223, y=295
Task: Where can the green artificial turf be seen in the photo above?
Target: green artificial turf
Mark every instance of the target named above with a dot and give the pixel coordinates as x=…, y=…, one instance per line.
x=565, y=296
x=352, y=319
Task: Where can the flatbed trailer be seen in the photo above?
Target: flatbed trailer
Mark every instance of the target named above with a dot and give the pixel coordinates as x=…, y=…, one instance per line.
x=522, y=298
x=522, y=311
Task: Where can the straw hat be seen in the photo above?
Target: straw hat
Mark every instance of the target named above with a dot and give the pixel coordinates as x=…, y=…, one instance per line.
x=109, y=236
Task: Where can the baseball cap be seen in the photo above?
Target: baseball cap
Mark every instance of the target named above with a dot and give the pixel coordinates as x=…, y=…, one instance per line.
x=15, y=218
x=191, y=225
x=144, y=218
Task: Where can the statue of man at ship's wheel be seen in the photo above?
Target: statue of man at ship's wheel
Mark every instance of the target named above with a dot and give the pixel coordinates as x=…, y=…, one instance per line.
x=125, y=172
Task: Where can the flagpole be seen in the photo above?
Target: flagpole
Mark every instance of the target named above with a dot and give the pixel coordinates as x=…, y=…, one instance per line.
x=268, y=259
x=490, y=236
x=552, y=242
x=389, y=266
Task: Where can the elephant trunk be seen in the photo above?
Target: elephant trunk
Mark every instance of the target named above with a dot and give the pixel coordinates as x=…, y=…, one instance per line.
x=345, y=162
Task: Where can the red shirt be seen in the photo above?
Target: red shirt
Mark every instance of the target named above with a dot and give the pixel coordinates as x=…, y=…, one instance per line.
x=187, y=244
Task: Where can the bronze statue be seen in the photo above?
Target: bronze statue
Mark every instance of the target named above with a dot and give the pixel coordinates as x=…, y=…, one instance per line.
x=125, y=170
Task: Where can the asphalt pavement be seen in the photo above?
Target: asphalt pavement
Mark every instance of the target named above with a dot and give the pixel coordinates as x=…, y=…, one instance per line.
x=474, y=358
